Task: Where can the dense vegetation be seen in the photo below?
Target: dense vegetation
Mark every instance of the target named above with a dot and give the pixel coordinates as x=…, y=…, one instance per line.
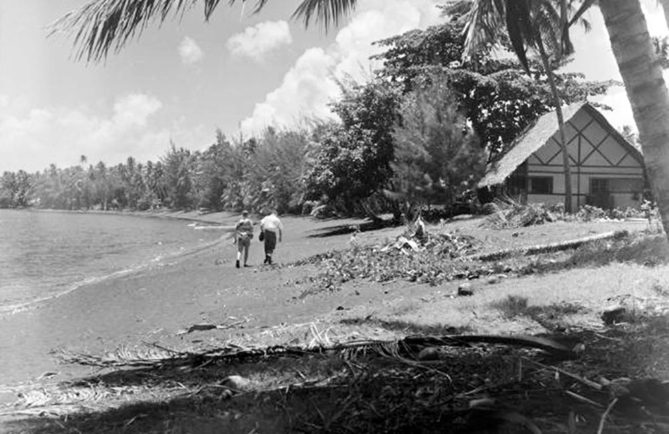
x=419, y=132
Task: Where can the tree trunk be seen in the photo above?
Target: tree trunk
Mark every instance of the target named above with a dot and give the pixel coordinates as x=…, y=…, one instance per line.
x=558, y=111
x=646, y=91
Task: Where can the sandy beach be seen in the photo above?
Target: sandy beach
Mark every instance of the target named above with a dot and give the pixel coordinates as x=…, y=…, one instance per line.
x=155, y=304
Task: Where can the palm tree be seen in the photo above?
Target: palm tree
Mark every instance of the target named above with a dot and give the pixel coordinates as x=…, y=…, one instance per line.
x=646, y=91
x=540, y=25
x=105, y=24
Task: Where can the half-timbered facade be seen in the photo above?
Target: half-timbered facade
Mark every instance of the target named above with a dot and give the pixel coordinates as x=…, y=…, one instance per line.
x=606, y=170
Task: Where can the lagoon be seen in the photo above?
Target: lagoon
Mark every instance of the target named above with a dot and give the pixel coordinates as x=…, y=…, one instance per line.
x=45, y=254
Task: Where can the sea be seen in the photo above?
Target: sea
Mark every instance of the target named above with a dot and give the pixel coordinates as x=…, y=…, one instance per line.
x=45, y=254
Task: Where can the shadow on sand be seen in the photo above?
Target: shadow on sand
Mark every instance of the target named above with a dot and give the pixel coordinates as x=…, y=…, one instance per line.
x=344, y=229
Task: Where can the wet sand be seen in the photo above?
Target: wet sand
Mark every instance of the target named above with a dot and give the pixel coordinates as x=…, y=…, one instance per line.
x=154, y=305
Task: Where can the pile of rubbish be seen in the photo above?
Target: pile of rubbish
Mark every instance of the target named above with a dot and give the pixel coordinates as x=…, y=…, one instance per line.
x=514, y=215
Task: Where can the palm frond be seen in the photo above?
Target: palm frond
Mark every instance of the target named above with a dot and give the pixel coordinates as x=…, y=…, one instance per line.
x=484, y=24
x=520, y=29
x=328, y=12
x=104, y=25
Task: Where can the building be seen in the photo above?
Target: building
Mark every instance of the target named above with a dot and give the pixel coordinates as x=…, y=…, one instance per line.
x=606, y=170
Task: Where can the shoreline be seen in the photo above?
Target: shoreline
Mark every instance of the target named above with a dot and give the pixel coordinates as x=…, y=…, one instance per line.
x=194, y=216
x=152, y=304
x=205, y=288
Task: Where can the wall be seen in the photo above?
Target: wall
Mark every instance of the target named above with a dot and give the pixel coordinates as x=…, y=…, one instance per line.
x=594, y=153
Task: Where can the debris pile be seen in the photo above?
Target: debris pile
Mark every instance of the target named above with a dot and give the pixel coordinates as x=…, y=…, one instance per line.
x=515, y=215
x=417, y=256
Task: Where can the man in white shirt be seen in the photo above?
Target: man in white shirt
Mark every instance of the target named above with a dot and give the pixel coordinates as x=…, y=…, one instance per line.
x=271, y=227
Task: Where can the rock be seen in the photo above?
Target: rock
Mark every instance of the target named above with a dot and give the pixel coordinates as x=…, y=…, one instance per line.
x=237, y=382
x=493, y=279
x=429, y=353
x=614, y=316
x=465, y=289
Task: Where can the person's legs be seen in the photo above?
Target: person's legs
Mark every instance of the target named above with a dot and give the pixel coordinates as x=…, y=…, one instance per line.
x=246, y=252
x=270, y=244
x=240, y=249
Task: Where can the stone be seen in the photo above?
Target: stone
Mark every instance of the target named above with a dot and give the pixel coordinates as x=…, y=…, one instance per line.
x=614, y=315
x=237, y=383
x=429, y=353
x=465, y=289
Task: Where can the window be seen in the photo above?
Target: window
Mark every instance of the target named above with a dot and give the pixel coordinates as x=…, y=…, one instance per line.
x=541, y=185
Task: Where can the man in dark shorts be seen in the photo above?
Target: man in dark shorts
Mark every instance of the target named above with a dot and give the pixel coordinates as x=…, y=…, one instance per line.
x=271, y=228
x=243, y=237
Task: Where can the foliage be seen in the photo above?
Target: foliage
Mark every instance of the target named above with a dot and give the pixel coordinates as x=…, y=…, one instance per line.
x=14, y=189
x=255, y=174
x=395, y=260
x=354, y=156
x=437, y=158
x=495, y=94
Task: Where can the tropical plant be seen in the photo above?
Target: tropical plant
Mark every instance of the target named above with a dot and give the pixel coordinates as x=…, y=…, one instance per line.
x=646, y=91
x=437, y=157
x=105, y=24
x=353, y=161
x=497, y=97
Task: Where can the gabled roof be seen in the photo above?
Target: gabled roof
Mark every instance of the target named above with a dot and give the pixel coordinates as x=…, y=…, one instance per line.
x=537, y=134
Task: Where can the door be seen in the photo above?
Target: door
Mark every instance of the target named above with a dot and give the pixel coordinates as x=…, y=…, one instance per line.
x=600, y=193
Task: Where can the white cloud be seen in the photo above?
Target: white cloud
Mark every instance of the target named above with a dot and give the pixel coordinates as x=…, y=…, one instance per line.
x=189, y=51
x=311, y=83
x=33, y=138
x=254, y=42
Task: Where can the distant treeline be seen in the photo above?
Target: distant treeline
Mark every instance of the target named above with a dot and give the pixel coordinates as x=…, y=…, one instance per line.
x=420, y=132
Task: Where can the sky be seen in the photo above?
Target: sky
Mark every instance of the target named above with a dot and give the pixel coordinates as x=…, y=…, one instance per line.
x=181, y=81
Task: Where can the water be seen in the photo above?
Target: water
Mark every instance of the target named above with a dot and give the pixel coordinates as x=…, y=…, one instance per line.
x=46, y=254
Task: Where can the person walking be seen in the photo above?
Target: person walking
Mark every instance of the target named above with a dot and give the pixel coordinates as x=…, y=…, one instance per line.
x=243, y=237
x=271, y=229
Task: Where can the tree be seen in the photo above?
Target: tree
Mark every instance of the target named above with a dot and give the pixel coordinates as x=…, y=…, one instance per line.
x=646, y=91
x=178, y=171
x=537, y=25
x=105, y=24
x=437, y=157
x=498, y=98
x=354, y=158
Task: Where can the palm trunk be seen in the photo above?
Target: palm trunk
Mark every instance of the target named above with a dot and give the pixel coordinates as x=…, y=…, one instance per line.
x=563, y=140
x=646, y=91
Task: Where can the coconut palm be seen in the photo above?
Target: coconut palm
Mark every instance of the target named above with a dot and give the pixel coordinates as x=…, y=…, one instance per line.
x=541, y=25
x=646, y=90
x=105, y=24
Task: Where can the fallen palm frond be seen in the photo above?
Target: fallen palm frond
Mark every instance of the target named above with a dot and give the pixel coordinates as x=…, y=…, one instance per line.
x=476, y=384
x=157, y=356
x=547, y=248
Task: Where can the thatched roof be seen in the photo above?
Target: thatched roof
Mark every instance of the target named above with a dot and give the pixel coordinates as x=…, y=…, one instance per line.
x=537, y=134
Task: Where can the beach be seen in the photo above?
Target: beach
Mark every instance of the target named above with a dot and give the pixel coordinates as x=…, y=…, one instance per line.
x=157, y=305
x=153, y=305
x=201, y=303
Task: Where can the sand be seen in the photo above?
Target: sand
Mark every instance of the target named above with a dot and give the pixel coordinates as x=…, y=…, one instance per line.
x=154, y=305
x=159, y=304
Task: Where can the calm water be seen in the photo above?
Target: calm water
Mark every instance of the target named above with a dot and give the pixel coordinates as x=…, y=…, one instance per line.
x=44, y=254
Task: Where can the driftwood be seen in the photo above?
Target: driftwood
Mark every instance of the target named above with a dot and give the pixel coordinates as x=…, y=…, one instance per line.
x=546, y=248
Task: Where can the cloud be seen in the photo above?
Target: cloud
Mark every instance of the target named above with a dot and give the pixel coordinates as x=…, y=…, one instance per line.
x=311, y=83
x=33, y=138
x=254, y=42
x=190, y=52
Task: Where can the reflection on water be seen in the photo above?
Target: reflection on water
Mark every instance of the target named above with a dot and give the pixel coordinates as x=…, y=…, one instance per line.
x=47, y=253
